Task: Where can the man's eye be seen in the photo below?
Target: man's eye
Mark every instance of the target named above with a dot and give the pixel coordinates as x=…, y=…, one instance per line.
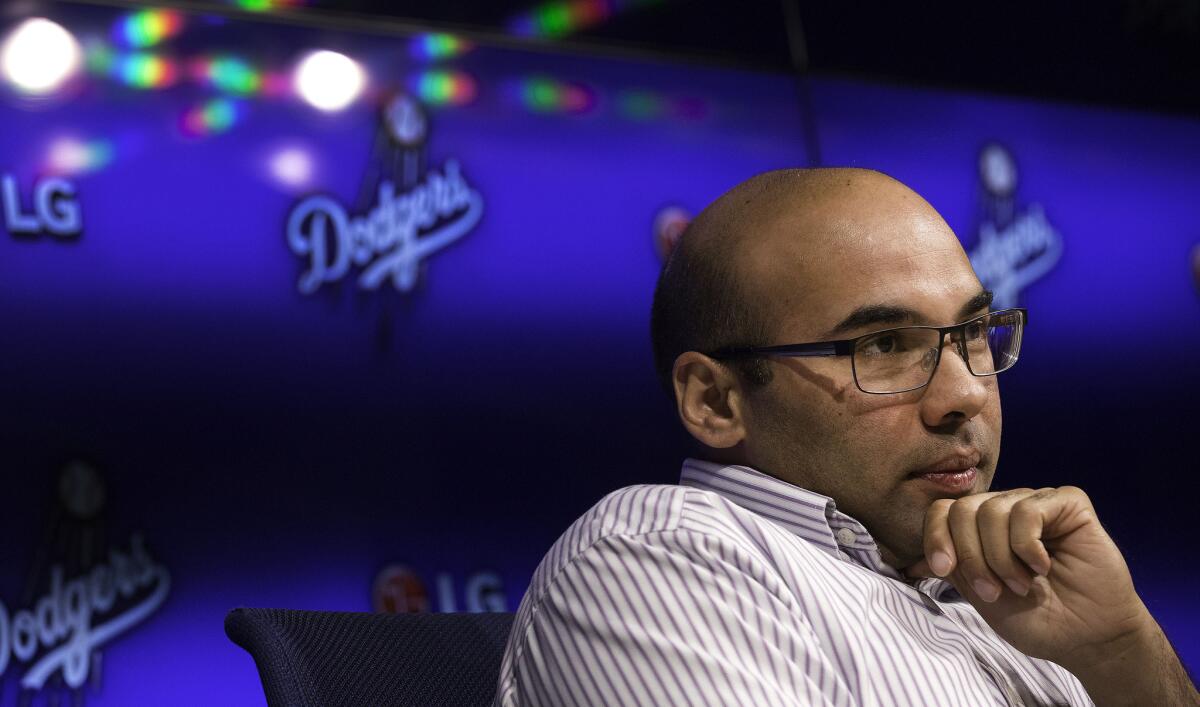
x=879, y=345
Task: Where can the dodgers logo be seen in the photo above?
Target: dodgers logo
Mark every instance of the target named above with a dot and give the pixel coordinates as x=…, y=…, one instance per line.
x=412, y=216
x=65, y=620
x=1015, y=248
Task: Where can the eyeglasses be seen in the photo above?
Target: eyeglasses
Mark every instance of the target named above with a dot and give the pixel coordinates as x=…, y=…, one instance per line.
x=905, y=358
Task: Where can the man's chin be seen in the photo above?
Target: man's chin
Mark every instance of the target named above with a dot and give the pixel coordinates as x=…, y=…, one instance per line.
x=904, y=552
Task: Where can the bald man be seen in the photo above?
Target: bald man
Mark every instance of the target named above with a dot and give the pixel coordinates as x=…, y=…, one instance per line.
x=834, y=540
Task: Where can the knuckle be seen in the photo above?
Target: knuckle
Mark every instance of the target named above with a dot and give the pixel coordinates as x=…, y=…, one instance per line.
x=936, y=525
x=941, y=506
x=996, y=551
x=1074, y=492
x=1025, y=543
x=1018, y=492
x=960, y=511
x=1025, y=507
x=968, y=557
x=994, y=509
x=1000, y=563
x=1045, y=492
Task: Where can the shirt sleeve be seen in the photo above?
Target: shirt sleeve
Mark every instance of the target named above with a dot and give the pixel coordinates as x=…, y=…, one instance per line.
x=664, y=618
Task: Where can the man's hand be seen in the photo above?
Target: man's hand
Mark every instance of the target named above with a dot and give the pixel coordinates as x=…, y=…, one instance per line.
x=1038, y=567
x=1044, y=574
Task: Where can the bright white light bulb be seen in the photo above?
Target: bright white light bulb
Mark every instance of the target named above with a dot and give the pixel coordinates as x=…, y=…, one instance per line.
x=39, y=56
x=69, y=155
x=292, y=166
x=328, y=80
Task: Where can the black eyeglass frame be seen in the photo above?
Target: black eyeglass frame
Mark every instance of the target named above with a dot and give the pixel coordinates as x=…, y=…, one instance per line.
x=845, y=347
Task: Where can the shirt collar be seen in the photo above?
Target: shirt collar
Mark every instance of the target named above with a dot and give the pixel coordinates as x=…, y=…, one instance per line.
x=808, y=515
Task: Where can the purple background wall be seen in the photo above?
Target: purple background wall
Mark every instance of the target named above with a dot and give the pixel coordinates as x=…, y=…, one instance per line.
x=280, y=449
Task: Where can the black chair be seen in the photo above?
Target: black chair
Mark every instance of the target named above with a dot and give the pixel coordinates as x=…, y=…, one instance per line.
x=311, y=658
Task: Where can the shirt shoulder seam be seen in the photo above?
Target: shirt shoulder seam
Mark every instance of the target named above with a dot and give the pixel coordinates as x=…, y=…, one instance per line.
x=535, y=608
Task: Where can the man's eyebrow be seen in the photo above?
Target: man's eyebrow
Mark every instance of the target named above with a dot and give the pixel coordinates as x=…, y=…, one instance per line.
x=873, y=314
x=983, y=300
x=869, y=314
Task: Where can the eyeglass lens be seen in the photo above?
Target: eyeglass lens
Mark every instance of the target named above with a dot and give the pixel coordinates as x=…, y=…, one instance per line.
x=902, y=359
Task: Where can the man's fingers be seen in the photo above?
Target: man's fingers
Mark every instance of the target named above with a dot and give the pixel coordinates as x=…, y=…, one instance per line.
x=993, y=520
x=968, y=546
x=939, y=545
x=987, y=541
x=1025, y=530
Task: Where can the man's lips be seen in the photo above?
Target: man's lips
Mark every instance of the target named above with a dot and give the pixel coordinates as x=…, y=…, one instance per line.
x=958, y=461
x=956, y=473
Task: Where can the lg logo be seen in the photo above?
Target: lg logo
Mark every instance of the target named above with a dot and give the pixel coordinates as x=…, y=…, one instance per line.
x=55, y=210
x=399, y=590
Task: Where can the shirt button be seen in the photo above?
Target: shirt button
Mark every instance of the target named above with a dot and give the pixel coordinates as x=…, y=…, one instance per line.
x=846, y=536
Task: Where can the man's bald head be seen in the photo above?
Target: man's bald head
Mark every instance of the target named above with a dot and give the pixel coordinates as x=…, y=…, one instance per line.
x=710, y=294
x=802, y=256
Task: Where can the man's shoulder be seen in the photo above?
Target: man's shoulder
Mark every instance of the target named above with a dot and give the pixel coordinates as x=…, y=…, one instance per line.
x=628, y=512
x=648, y=515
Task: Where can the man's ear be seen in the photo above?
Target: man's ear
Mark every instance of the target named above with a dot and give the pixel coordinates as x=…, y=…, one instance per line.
x=710, y=400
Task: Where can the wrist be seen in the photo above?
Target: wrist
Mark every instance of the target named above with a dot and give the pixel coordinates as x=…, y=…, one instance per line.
x=1136, y=635
x=1122, y=660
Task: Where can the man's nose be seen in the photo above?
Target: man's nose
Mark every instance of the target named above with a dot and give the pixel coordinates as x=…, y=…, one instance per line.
x=954, y=393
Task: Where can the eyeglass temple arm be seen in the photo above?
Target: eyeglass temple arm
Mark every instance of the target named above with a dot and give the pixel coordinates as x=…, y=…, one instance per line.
x=822, y=348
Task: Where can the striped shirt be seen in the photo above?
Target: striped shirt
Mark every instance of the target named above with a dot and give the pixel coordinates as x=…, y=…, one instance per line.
x=736, y=588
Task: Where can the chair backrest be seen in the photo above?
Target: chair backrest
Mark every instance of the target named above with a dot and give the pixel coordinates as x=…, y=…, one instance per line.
x=310, y=658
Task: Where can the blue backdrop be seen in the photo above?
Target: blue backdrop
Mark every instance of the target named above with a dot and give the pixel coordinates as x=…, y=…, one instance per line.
x=165, y=377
